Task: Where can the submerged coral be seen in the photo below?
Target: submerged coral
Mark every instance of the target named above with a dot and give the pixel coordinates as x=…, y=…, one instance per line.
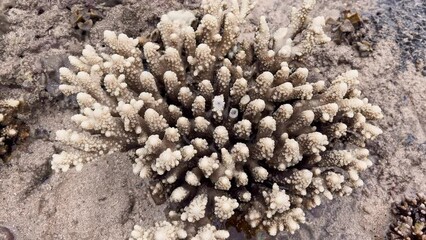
x=410, y=216
x=221, y=127
x=12, y=130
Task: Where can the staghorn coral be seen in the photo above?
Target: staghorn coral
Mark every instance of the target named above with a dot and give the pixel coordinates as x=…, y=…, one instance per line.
x=410, y=216
x=221, y=127
x=12, y=130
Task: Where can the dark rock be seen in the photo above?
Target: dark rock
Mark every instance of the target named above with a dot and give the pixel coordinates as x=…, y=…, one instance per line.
x=6, y=234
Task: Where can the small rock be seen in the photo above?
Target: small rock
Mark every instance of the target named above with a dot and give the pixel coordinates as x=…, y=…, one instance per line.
x=40, y=133
x=347, y=26
x=4, y=24
x=6, y=234
x=367, y=209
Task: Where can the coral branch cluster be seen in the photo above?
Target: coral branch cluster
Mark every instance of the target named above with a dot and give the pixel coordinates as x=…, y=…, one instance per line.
x=221, y=127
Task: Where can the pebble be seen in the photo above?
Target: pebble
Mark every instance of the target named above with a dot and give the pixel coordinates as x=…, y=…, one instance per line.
x=367, y=209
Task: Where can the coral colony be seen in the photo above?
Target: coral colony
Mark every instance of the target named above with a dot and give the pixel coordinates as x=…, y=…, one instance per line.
x=222, y=127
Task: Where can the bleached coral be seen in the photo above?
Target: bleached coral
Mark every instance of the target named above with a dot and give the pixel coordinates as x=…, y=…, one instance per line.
x=173, y=231
x=162, y=230
x=222, y=128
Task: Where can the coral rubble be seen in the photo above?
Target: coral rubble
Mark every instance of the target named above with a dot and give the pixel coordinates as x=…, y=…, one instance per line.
x=410, y=221
x=84, y=17
x=351, y=28
x=222, y=127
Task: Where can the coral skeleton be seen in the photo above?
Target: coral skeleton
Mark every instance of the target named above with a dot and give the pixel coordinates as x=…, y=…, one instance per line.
x=223, y=127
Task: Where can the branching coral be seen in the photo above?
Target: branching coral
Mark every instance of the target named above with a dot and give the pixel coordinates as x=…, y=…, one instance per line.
x=410, y=219
x=222, y=127
x=12, y=130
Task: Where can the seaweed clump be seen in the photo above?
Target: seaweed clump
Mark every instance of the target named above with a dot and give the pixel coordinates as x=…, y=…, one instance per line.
x=410, y=222
x=221, y=128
